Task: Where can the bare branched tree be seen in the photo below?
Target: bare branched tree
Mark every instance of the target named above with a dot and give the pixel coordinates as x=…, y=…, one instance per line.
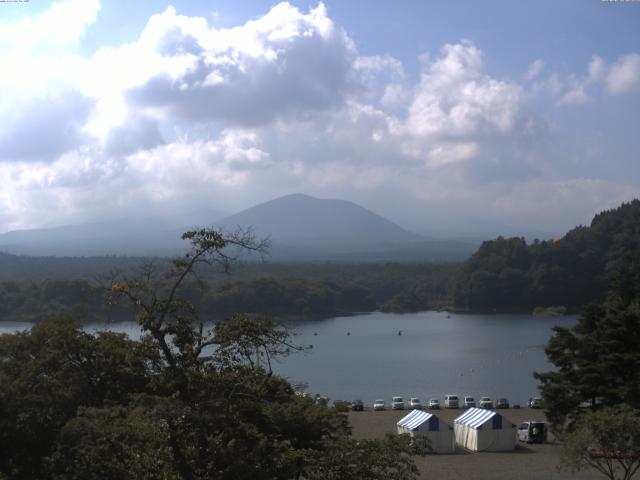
x=170, y=321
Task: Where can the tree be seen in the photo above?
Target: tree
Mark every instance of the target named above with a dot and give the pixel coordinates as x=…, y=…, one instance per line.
x=597, y=360
x=48, y=373
x=386, y=459
x=607, y=440
x=181, y=403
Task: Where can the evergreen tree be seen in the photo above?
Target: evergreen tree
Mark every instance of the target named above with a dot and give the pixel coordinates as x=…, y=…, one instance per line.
x=597, y=360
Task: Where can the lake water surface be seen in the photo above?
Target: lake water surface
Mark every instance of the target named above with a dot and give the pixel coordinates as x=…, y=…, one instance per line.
x=363, y=356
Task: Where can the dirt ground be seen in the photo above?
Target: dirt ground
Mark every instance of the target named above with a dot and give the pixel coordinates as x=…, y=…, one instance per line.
x=528, y=461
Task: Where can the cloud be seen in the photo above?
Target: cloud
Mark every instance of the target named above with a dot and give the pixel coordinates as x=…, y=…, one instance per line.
x=285, y=64
x=189, y=114
x=42, y=128
x=534, y=200
x=138, y=133
x=63, y=24
x=456, y=98
x=534, y=69
x=577, y=92
x=460, y=114
x=624, y=75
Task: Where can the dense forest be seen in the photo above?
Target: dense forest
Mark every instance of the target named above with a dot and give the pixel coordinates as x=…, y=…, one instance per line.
x=505, y=274
x=509, y=274
x=292, y=290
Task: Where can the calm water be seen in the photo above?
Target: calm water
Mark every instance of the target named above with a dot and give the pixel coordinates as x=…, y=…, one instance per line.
x=436, y=354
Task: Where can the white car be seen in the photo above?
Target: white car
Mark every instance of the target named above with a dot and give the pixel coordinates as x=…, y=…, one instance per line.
x=379, y=405
x=451, y=401
x=397, y=403
x=415, y=403
x=486, y=402
x=434, y=404
x=469, y=402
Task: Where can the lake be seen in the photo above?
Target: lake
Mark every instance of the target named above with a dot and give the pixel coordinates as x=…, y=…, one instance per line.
x=363, y=356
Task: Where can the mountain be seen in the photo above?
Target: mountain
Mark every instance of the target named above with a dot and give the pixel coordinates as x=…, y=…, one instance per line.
x=118, y=237
x=508, y=273
x=301, y=228
x=307, y=221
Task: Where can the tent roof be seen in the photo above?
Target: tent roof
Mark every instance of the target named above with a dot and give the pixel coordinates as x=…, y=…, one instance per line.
x=414, y=419
x=475, y=417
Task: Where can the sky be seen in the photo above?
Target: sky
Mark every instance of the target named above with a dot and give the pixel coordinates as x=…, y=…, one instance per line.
x=446, y=117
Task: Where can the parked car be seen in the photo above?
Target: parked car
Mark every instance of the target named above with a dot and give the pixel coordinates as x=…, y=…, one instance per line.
x=469, y=402
x=415, y=403
x=502, y=403
x=486, y=402
x=357, y=406
x=535, y=402
x=532, y=432
x=434, y=404
x=379, y=405
x=451, y=401
x=397, y=403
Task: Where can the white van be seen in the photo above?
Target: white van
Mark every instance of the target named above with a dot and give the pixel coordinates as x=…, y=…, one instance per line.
x=451, y=401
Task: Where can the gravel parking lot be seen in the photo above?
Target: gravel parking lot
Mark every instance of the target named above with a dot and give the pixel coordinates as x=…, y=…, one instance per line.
x=528, y=461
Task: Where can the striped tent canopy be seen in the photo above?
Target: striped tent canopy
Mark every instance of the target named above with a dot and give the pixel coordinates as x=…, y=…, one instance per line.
x=414, y=419
x=475, y=417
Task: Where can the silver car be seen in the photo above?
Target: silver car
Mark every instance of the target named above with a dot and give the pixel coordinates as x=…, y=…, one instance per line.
x=415, y=403
x=379, y=405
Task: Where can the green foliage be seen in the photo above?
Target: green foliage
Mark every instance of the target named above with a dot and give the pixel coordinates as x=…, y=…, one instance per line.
x=48, y=373
x=278, y=290
x=290, y=297
x=597, y=361
x=181, y=403
x=346, y=458
x=127, y=443
x=572, y=271
x=607, y=440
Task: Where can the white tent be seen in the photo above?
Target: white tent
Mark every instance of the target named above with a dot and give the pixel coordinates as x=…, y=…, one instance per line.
x=481, y=430
x=423, y=423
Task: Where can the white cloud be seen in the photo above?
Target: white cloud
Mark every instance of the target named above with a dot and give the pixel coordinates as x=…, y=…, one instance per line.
x=63, y=24
x=577, y=92
x=286, y=63
x=456, y=97
x=192, y=113
x=576, y=95
x=534, y=69
x=624, y=74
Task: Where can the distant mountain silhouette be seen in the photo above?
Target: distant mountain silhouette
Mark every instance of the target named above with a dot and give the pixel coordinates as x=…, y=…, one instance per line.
x=118, y=237
x=313, y=222
x=301, y=228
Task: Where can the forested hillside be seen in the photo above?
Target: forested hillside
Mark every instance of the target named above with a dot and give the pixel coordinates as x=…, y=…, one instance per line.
x=509, y=274
x=281, y=290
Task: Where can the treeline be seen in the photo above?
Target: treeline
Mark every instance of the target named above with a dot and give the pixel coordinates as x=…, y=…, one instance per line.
x=289, y=291
x=509, y=274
